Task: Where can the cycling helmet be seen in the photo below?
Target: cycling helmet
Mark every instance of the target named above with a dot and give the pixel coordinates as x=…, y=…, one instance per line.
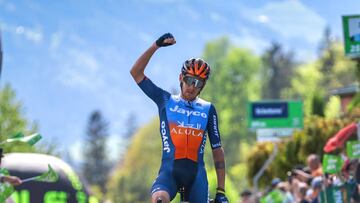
x=196, y=67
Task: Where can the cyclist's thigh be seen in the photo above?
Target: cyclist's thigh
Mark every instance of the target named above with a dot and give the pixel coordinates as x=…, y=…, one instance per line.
x=164, y=182
x=200, y=191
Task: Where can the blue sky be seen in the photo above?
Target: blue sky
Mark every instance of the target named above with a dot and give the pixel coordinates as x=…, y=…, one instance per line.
x=67, y=58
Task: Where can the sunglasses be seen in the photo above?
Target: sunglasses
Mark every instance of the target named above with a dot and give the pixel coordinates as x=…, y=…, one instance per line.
x=198, y=83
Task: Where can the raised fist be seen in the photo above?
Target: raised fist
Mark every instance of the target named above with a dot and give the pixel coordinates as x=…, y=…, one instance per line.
x=166, y=39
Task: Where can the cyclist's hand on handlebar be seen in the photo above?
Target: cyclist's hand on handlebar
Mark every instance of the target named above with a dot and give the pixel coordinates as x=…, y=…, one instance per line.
x=221, y=198
x=166, y=39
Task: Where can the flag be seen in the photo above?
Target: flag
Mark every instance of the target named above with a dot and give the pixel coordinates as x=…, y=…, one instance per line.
x=50, y=176
x=18, y=135
x=31, y=139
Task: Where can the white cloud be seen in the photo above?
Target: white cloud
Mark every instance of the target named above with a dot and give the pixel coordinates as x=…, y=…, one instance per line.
x=263, y=18
x=34, y=35
x=217, y=18
x=20, y=30
x=77, y=67
x=250, y=39
x=80, y=69
x=256, y=44
x=291, y=19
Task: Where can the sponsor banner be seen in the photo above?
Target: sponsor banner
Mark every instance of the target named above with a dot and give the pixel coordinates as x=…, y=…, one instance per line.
x=332, y=163
x=269, y=110
x=273, y=134
x=278, y=114
x=351, y=29
x=353, y=149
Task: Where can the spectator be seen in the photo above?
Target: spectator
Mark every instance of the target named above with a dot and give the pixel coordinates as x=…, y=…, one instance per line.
x=275, y=182
x=246, y=196
x=314, y=192
x=349, y=168
x=355, y=196
x=13, y=180
x=284, y=188
x=302, y=191
x=314, y=163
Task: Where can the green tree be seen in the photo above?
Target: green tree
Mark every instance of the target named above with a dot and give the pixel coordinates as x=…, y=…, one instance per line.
x=233, y=83
x=96, y=165
x=327, y=57
x=338, y=70
x=12, y=121
x=313, y=81
x=318, y=105
x=277, y=71
x=305, y=85
x=133, y=176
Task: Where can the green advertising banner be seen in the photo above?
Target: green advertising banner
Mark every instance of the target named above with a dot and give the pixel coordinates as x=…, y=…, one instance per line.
x=353, y=149
x=337, y=194
x=275, y=114
x=351, y=28
x=332, y=163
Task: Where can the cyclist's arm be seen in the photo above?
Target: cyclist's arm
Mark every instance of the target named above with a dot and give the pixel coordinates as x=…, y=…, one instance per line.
x=219, y=162
x=217, y=150
x=137, y=71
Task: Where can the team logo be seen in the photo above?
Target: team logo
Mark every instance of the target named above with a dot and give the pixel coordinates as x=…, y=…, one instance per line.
x=187, y=112
x=165, y=138
x=186, y=129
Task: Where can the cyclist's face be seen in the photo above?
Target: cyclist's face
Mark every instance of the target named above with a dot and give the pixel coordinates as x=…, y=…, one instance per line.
x=188, y=90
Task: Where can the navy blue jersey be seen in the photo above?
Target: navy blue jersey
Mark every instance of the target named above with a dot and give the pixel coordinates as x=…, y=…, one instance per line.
x=183, y=124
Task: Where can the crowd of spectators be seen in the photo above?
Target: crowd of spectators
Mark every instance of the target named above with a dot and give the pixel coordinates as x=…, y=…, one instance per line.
x=309, y=184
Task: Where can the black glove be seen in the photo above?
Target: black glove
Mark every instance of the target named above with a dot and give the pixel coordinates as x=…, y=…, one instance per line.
x=221, y=198
x=160, y=42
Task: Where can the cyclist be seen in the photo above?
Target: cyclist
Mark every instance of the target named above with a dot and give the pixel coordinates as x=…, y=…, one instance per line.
x=184, y=120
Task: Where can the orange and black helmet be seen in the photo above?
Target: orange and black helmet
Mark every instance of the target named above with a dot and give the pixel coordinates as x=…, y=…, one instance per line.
x=196, y=67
